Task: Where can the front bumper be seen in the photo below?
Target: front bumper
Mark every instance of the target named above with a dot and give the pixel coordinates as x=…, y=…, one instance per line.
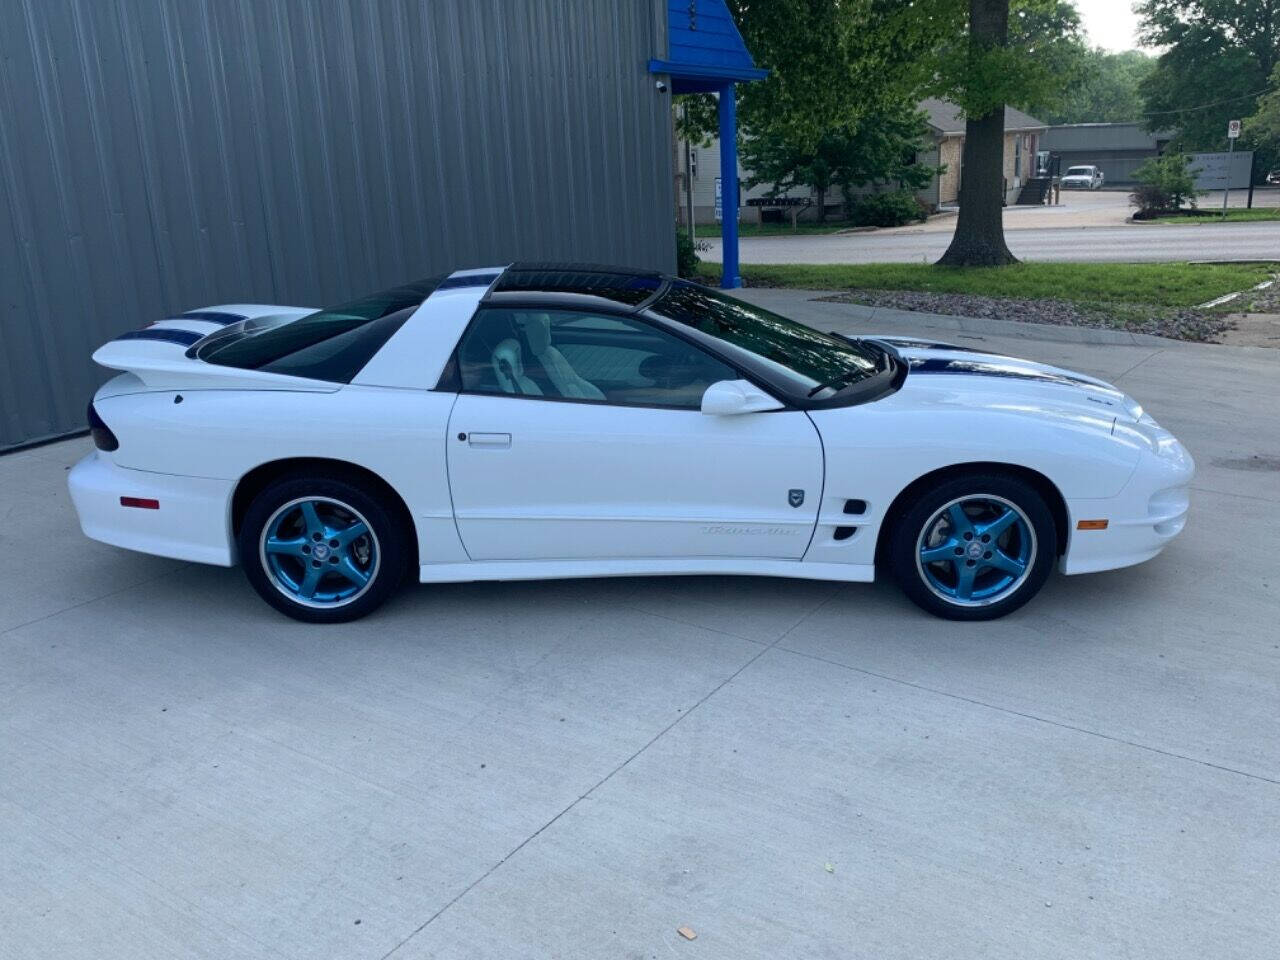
x=1141, y=520
x=193, y=521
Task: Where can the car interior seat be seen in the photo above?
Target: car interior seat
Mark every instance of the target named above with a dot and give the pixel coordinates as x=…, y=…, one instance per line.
x=508, y=366
x=567, y=381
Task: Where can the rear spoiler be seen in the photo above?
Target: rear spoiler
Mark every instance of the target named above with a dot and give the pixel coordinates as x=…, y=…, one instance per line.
x=161, y=355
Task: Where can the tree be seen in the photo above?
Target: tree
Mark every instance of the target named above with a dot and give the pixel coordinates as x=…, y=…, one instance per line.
x=1218, y=57
x=1262, y=129
x=835, y=63
x=979, y=236
x=996, y=63
x=878, y=148
x=1105, y=89
x=828, y=64
x=838, y=107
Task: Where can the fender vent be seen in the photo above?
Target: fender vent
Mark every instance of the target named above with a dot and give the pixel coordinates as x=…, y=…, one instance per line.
x=844, y=533
x=855, y=507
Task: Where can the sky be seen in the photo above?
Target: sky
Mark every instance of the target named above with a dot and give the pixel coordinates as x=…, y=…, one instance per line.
x=1109, y=23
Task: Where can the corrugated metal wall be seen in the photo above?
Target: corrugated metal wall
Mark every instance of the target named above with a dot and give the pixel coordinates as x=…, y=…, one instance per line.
x=161, y=155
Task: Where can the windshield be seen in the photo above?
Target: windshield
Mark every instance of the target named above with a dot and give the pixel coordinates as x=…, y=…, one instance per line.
x=332, y=344
x=1080, y=172
x=807, y=362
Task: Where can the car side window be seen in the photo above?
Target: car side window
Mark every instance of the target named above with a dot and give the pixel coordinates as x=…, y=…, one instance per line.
x=590, y=358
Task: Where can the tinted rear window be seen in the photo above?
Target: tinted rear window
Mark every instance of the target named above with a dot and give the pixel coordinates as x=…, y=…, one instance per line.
x=332, y=344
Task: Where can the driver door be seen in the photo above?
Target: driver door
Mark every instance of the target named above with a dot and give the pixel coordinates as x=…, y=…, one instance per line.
x=580, y=436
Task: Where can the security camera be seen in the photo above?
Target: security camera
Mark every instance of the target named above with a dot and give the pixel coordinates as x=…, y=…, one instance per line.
x=662, y=86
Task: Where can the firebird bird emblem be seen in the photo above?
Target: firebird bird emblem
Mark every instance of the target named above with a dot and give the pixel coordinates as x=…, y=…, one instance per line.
x=795, y=497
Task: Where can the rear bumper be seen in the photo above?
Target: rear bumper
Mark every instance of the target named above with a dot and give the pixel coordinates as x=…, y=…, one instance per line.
x=1148, y=513
x=191, y=523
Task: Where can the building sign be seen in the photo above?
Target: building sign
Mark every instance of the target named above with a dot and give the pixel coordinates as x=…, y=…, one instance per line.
x=719, y=202
x=1221, y=171
x=1233, y=129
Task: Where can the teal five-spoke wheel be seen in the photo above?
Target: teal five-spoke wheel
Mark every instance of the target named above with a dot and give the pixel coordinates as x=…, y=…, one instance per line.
x=976, y=550
x=975, y=546
x=324, y=548
x=320, y=552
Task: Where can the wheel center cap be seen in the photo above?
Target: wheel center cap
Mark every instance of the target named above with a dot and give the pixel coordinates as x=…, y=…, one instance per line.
x=975, y=550
x=320, y=551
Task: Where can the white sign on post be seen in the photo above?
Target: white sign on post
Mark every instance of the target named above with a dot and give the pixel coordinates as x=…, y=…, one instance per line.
x=1233, y=129
x=1221, y=171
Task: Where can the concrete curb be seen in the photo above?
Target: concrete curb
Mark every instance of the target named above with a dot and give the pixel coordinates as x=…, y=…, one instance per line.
x=777, y=297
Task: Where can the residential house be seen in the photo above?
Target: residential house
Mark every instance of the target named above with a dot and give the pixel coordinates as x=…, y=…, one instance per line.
x=1022, y=133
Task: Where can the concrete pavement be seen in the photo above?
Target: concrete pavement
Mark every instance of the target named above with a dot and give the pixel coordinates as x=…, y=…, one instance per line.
x=575, y=769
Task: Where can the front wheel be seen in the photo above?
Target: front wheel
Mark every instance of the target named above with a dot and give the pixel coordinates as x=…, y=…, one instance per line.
x=975, y=548
x=321, y=549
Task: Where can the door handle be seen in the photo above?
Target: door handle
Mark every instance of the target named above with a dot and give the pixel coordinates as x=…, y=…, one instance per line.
x=495, y=441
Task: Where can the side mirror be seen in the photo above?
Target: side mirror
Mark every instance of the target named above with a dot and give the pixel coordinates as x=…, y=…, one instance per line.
x=736, y=396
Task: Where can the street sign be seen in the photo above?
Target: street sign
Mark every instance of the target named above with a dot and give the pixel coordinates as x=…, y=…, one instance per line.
x=1221, y=171
x=719, y=202
x=1233, y=129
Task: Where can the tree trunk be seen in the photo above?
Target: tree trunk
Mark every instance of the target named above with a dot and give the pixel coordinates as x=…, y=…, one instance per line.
x=822, y=204
x=979, y=236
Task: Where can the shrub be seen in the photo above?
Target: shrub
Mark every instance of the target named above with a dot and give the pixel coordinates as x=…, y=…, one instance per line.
x=687, y=258
x=891, y=209
x=1164, y=184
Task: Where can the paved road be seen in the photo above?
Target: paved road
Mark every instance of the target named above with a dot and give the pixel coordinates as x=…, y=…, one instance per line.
x=574, y=770
x=1129, y=242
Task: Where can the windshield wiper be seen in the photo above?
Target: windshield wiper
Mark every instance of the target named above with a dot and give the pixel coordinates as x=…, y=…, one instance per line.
x=843, y=380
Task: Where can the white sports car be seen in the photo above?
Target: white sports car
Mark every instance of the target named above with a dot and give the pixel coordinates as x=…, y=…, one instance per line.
x=545, y=420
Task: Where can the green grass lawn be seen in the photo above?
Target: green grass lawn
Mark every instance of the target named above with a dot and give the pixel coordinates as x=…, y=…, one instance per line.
x=1234, y=215
x=1154, y=284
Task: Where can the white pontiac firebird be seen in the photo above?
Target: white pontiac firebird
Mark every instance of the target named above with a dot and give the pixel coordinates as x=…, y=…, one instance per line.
x=562, y=420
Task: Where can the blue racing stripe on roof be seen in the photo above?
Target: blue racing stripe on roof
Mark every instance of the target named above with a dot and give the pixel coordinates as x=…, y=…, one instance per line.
x=213, y=316
x=184, y=337
x=471, y=280
x=980, y=368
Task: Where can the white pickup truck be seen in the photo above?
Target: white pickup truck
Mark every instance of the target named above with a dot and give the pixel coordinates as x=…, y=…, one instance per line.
x=1082, y=178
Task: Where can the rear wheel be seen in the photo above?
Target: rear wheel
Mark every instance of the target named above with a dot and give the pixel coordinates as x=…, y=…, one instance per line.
x=322, y=549
x=975, y=548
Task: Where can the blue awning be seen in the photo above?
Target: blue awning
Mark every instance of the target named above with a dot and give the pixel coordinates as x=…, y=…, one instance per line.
x=704, y=49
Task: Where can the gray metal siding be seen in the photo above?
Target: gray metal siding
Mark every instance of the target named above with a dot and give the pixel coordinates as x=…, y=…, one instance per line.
x=161, y=155
x=1117, y=166
x=1082, y=137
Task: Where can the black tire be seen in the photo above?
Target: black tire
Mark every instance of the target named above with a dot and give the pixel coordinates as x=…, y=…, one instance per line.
x=382, y=553
x=922, y=523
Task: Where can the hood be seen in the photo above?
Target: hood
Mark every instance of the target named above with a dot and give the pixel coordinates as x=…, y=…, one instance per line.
x=963, y=375
x=161, y=356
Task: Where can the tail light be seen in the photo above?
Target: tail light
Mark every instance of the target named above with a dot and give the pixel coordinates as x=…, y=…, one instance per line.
x=103, y=438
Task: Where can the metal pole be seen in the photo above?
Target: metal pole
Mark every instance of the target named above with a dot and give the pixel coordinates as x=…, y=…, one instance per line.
x=729, y=278
x=1226, y=190
x=688, y=180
